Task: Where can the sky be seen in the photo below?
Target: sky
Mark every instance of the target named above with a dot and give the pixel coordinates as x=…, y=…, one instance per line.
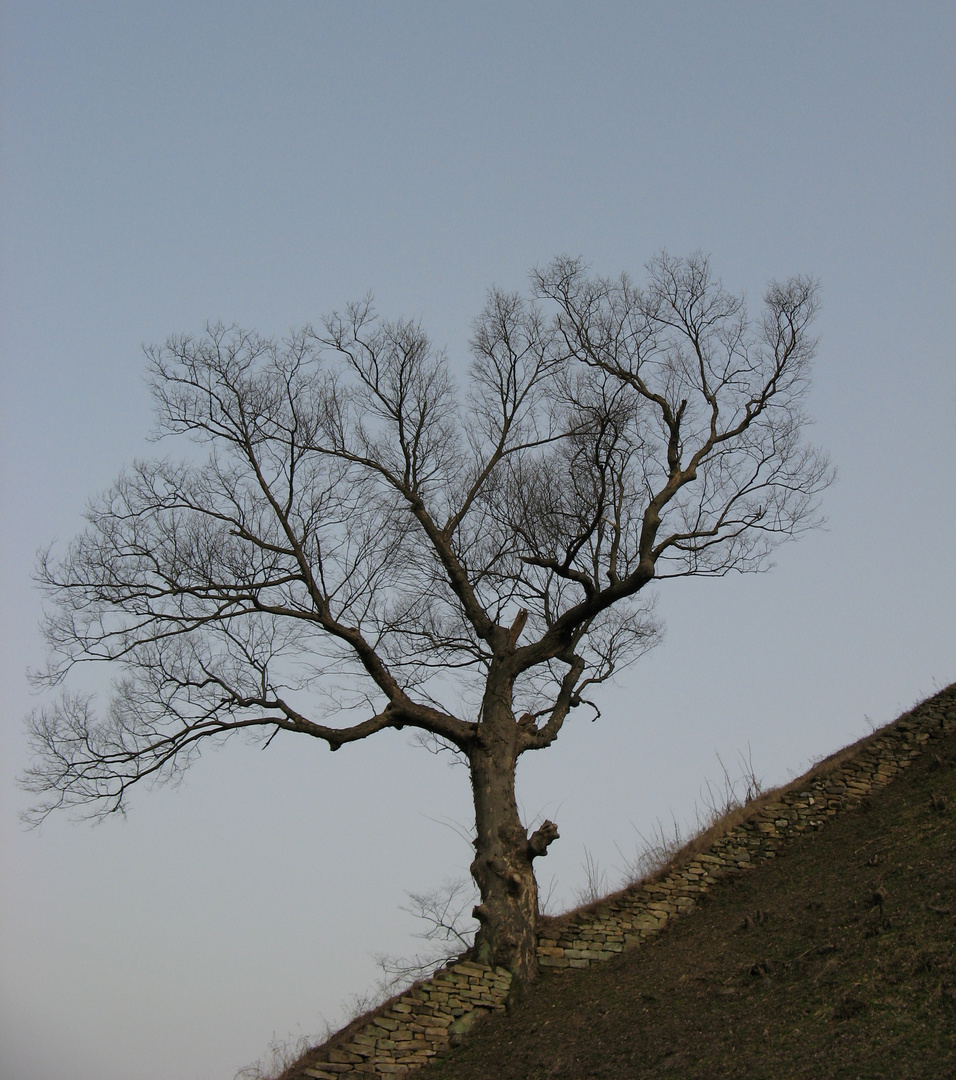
x=165, y=165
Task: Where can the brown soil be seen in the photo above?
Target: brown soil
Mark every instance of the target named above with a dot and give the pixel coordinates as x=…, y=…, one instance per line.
x=837, y=960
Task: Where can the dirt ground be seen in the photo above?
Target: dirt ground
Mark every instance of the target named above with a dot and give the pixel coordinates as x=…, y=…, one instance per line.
x=836, y=960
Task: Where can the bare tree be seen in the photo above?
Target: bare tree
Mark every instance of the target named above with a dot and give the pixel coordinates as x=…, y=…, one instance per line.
x=444, y=911
x=364, y=547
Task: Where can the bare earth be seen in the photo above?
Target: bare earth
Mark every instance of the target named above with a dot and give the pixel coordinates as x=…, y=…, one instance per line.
x=836, y=960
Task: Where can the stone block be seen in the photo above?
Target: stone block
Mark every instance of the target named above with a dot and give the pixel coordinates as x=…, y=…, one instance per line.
x=343, y=1057
x=466, y=967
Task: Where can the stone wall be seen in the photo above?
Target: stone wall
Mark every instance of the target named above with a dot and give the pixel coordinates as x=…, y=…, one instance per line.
x=423, y=1023
x=630, y=917
x=409, y=1030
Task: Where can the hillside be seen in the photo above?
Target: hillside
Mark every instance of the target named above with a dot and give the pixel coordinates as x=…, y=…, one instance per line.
x=834, y=956
x=837, y=959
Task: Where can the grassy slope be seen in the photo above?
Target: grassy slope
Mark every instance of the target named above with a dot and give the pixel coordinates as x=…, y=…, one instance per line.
x=836, y=960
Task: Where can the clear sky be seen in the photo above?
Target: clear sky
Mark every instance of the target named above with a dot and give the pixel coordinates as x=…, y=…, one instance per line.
x=165, y=164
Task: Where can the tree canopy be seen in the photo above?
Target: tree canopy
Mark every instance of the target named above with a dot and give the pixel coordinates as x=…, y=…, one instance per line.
x=355, y=542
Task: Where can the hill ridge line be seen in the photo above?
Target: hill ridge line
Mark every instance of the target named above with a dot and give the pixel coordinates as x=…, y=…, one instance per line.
x=425, y=1021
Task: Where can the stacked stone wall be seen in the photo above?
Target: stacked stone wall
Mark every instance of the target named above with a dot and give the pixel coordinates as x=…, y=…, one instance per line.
x=424, y=1022
x=631, y=917
x=408, y=1031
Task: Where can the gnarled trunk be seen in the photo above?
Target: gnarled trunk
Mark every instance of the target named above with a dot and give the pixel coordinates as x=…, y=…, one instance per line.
x=502, y=868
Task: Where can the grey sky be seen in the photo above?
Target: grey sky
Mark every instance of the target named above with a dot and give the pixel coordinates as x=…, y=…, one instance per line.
x=168, y=164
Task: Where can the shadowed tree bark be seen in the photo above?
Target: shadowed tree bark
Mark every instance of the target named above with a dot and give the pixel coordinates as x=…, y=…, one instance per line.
x=365, y=547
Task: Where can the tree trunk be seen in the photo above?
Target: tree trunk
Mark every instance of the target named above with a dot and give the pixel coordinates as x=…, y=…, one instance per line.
x=502, y=869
